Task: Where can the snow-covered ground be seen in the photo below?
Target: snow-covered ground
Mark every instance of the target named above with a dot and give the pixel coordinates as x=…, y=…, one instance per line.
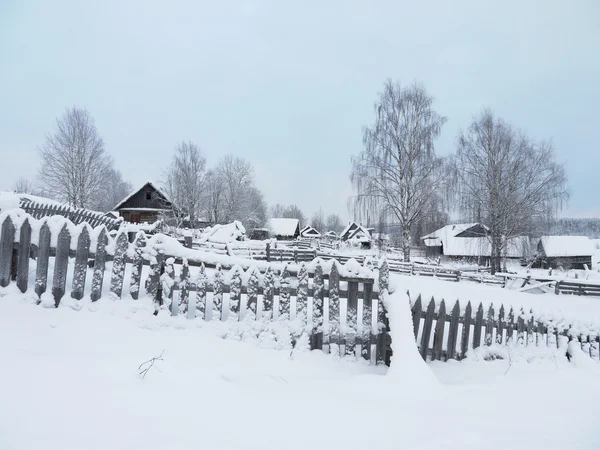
x=70, y=381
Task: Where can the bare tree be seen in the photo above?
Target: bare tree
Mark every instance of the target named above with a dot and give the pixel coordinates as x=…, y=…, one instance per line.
x=506, y=180
x=234, y=194
x=398, y=173
x=334, y=223
x=277, y=210
x=74, y=162
x=318, y=221
x=294, y=212
x=24, y=186
x=213, y=196
x=116, y=189
x=185, y=180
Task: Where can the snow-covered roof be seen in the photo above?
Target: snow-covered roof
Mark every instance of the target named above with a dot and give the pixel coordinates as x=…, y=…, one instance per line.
x=283, y=227
x=154, y=185
x=226, y=233
x=331, y=234
x=355, y=232
x=309, y=231
x=561, y=246
x=449, y=230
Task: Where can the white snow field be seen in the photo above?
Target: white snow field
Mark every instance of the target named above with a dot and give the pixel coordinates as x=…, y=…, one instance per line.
x=69, y=380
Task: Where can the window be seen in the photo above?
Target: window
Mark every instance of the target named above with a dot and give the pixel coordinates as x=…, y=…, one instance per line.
x=148, y=195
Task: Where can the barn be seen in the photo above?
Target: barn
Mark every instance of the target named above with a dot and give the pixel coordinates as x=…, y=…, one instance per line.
x=568, y=252
x=144, y=205
x=284, y=229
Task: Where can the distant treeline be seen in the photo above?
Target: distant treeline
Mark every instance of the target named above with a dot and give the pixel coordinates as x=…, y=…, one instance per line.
x=589, y=227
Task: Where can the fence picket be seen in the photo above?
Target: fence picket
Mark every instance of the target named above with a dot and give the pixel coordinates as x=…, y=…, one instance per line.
x=366, y=315
x=23, y=256
x=521, y=329
x=301, y=309
x=43, y=255
x=235, y=293
x=530, y=337
x=167, y=281
x=136, y=268
x=218, y=288
x=510, y=326
x=453, y=331
x=466, y=331
x=268, y=293
x=332, y=337
x=416, y=316
x=6, y=249
x=317, y=308
x=252, y=290
x=153, y=281
x=349, y=335
x=500, y=328
x=201, y=282
x=489, y=326
x=61, y=263
x=99, y=266
x=118, y=267
x=427, y=329
x=284, y=293
x=384, y=277
x=438, y=337
x=184, y=290
x=80, y=269
x=478, y=325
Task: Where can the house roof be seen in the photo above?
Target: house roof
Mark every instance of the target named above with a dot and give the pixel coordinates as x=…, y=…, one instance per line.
x=356, y=232
x=283, y=227
x=156, y=188
x=564, y=246
x=331, y=234
x=309, y=231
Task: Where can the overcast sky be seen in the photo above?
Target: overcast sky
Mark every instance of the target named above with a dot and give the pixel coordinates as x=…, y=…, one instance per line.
x=289, y=85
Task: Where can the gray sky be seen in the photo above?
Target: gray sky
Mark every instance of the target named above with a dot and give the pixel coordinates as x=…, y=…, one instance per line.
x=289, y=86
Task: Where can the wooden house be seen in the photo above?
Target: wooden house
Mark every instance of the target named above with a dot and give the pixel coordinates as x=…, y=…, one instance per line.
x=357, y=235
x=284, y=229
x=568, y=252
x=144, y=205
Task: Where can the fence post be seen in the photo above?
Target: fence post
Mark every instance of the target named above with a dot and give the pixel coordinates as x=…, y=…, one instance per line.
x=23, y=260
x=284, y=293
x=41, y=273
x=333, y=319
x=438, y=337
x=317, y=308
x=268, y=251
x=252, y=290
x=478, y=325
x=118, y=267
x=153, y=281
x=268, y=291
x=350, y=335
x=80, y=270
x=184, y=290
x=167, y=282
x=138, y=262
x=464, y=346
x=489, y=326
x=218, y=288
x=187, y=241
x=427, y=326
x=384, y=278
x=6, y=248
x=61, y=263
x=235, y=292
x=301, y=294
x=453, y=331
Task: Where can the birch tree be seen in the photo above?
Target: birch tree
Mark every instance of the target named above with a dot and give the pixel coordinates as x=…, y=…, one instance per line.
x=74, y=161
x=506, y=180
x=185, y=180
x=398, y=173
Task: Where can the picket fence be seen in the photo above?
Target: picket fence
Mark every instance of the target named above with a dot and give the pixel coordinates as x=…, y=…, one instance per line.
x=353, y=319
x=444, y=334
x=76, y=215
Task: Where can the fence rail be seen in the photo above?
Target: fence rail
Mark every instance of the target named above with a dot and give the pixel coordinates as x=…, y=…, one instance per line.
x=347, y=318
x=445, y=333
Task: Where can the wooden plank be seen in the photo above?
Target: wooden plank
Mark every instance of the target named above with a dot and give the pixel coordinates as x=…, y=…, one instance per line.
x=427, y=325
x=510, y=326
x=466, y=331
x=168, y=284
x=366, y=316
x=235, y=294
x=284, y=293
x=301, y=295
x=501, y=326
x=184, y=291
x=332, y=336
x=453, y=331
x=201, y=284
x=61, y=263
x=349, y=335
x=489, y=326
x=153, y=289
x=41, y=271
x=252, y=293
x=478, y=325
x=138, y=261
x=530, y=336
x=23, y=256
x=218, y=285
x=521, y=329
x=268, y=293
x=81, y=260
x=7, y=240
x=438, y=337
x=118, y=267
x=99, y=266
x=416, y=316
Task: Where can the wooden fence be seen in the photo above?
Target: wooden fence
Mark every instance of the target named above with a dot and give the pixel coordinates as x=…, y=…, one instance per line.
x=445, y=333
x=333, y=309
x=75, y=215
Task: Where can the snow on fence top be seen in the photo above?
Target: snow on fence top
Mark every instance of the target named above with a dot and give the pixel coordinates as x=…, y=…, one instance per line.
x=565, y=246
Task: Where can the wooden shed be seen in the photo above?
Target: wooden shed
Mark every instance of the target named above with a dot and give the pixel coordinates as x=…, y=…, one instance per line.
x=568, y=252
x=144, y=205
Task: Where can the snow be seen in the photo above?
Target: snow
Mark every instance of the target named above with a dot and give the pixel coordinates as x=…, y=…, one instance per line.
x=283, y=227
x=560, y=246
x=225, y=233
x=151, y=183
x=72, y=382
x=8, y=200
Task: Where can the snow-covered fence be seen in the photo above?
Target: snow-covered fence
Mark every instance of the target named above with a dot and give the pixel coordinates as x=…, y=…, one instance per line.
x=75, y=215
x=444, y=333
x=410, y=268
x=339, y=311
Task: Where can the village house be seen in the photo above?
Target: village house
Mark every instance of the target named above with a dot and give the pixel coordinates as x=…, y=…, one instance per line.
x=568, y=252
x=284, y=229
x=309, y=232
x=356, y=235
x=145, y=205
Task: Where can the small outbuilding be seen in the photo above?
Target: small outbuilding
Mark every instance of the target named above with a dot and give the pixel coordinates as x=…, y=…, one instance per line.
x=309, y=232
x=284, y=229
x=569, y=252
x=144, y=205
x=357, y=235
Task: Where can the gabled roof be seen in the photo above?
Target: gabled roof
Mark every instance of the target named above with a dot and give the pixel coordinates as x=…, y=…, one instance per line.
x=147, y=183
x=355, y=231
x=309, y=231
x=331, y=233
x=451, y=230
x=284, y=227
x=564, y=246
